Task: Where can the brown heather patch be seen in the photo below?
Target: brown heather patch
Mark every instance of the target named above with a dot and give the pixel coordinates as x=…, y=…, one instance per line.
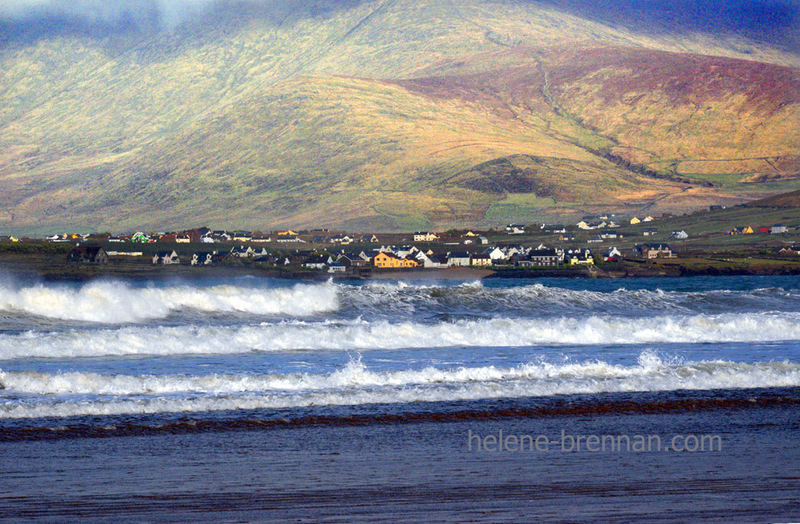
x=791, y=199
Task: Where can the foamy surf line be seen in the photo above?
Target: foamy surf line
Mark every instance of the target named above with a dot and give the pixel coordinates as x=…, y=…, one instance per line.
x=37, y=395
x=118, y=303
x=359, y=335
x=475, y=294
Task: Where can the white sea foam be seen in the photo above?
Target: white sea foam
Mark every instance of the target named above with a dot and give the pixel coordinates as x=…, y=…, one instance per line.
x=73, y=394
x=115, y=302
x=359, y=335
x=402, y=297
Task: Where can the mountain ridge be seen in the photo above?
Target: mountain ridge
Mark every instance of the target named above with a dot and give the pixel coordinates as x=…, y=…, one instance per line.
x=245, y=132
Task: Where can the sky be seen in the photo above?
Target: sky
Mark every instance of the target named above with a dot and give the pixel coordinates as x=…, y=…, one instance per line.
x=105, y=12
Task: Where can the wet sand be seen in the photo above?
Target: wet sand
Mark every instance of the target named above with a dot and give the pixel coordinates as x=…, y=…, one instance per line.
x=422, y=469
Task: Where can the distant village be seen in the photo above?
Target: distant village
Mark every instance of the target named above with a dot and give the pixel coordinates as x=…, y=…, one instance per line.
x=337, y=252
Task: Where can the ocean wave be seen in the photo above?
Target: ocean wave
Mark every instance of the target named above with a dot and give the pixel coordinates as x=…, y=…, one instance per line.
x=34, y=394
x=118, y=303
x=360, y=335
x=543, y=299
x=115, y=302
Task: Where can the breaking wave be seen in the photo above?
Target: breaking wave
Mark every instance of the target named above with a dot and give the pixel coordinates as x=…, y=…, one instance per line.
x=115, y=302
x=475, y=296
x=360, y=335
x=118, y=303
x=77, y=393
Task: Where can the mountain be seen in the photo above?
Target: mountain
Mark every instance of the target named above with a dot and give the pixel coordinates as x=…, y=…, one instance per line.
x=390, y=115
x=783, y=200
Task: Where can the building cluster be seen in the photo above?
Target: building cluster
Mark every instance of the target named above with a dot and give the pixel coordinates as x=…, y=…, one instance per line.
x=340, y=252
x=777, y=229
x=383, y=257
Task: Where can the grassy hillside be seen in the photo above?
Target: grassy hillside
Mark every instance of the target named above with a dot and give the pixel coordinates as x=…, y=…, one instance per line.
x=386, y=115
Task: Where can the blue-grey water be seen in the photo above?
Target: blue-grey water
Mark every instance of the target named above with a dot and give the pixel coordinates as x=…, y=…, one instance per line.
x=223, y=381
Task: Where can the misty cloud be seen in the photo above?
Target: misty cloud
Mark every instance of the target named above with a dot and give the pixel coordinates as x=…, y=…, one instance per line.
x=167, y=13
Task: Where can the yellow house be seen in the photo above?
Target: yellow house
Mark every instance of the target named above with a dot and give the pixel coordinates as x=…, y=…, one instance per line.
x=390, y=260
x=581, y=260
x=635, y=221
x=747, y=230
x=287, y=233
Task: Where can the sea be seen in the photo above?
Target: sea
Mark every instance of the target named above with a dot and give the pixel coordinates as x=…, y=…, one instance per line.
x=496, y=400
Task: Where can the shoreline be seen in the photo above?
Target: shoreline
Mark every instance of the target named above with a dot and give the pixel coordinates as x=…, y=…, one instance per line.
x=49, y=270
x=365, y=471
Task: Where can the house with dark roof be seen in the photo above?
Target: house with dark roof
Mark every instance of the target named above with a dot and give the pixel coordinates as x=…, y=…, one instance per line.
x=481, y=260
x=336, y=267
x=202, y=259
x=425, y=236
x=352, y=260
x=581, y=258
x=242, y=251
x=318, y=261
x=166, y=258
x=88, y=255
x=390, y=260
x=650, y=251
x=540, y=257
x=432, y=260
x=459, y=259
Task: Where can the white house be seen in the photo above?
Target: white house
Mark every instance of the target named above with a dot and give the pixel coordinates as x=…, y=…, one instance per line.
x=680, y=235
x=290, y=239
x=459, y=259
x=336, y=267
x=344, y=239
x=166, y=258
x=778, y=229
x=242, y=252
x=432, y=261
x=202, y=259
x=423, y=236
x=586, y=226
x=318, y=262
x=496, y=254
